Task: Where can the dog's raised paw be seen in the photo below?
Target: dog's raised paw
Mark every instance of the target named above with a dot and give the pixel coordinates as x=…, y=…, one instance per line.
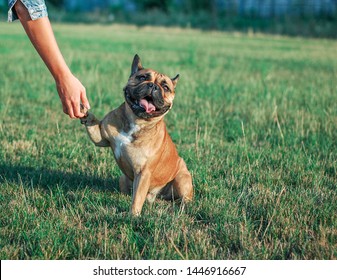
x=84, y=111
x=89, y=119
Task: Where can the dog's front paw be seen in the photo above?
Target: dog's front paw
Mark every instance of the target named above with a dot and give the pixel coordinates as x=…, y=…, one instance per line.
x=84, y=111
x=88, y=119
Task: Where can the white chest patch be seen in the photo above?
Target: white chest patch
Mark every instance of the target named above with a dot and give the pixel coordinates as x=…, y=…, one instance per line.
x=124, y=139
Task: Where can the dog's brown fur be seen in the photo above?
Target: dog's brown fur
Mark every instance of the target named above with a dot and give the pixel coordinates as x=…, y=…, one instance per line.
x=140, y=142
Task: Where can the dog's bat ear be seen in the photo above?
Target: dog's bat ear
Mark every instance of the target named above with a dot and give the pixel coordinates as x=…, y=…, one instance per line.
x=175, y=80
x=136, y=65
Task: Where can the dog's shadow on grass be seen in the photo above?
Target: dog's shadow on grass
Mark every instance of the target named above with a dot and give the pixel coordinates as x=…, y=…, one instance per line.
x=41, y=177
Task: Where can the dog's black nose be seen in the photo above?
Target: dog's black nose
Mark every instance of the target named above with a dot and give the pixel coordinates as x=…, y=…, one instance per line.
x=152, y=85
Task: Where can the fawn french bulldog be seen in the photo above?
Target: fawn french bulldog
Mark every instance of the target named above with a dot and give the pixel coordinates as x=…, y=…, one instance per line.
x=141, y=145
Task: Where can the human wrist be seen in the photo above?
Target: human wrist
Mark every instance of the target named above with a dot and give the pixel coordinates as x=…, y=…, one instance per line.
x=61, y=74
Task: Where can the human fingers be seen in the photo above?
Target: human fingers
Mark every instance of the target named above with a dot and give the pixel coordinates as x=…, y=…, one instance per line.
x=68, y=109
x=77, y=110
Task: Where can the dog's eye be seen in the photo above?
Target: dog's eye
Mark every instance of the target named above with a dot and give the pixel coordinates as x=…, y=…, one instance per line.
x=166, y=88
x=142, y=78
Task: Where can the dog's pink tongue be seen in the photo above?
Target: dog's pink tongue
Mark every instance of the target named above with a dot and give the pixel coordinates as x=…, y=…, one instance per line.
x=148, y=106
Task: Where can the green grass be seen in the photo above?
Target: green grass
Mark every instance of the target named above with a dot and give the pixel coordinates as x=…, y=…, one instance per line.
x=254, y=118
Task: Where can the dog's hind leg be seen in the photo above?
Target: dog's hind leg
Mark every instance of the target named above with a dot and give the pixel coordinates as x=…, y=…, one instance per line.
x=182, y=183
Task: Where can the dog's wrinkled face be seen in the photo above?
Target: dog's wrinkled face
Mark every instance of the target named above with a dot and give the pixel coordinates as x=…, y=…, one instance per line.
x=149, y=93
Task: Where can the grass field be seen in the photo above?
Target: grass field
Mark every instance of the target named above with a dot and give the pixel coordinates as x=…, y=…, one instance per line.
x=254, y=117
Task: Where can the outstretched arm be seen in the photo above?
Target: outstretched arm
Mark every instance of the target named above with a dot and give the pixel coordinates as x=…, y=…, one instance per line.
x=69, y=88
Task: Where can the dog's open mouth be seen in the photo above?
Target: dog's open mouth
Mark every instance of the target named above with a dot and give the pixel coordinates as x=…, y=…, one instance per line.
x=147, y=104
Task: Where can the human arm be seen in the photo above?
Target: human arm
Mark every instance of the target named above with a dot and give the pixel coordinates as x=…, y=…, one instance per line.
x=40, y=33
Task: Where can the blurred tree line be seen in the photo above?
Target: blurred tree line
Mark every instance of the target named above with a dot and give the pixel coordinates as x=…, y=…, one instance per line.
x=316, y=18
x=258, y=7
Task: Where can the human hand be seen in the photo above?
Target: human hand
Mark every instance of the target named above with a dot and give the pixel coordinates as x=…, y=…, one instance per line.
x=72, y=93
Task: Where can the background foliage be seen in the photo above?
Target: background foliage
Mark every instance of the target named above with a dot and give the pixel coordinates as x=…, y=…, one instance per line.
x=309, y=18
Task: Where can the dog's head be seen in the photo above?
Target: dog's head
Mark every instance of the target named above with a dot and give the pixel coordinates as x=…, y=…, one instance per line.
x=148, y=93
